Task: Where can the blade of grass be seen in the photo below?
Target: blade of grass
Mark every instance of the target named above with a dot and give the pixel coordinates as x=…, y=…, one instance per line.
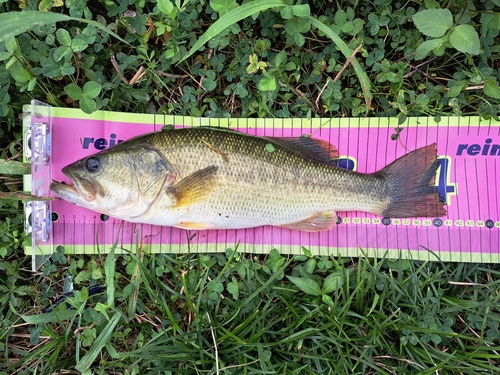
x=230, y=18
x=87, y=360
x=347, y=52
x=14, y=167
x=55, y=316
x=135, y=280
x=158, y=291
x=37, y=356
x=15, y=23
x=22, y=196
x=109, y=269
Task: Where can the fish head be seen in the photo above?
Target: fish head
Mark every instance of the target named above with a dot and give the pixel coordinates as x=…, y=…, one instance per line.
x=123, y=181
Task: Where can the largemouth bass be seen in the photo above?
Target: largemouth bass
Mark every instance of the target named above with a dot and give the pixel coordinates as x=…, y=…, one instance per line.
x=202, y=178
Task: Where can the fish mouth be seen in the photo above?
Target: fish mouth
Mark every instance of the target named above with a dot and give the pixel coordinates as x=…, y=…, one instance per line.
x=80, y=190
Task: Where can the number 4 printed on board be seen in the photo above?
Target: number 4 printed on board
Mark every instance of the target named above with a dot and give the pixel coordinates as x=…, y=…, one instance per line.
x=445, y=187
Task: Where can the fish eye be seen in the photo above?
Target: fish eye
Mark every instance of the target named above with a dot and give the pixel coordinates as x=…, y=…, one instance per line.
x=92, y=164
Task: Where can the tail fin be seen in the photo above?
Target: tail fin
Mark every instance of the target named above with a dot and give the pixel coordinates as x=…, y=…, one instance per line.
x=410, y=182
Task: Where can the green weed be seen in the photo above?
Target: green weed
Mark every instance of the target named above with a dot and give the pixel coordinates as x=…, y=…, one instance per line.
x=231, y=313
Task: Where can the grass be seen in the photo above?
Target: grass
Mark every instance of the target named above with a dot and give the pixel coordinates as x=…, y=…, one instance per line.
x=237, y=313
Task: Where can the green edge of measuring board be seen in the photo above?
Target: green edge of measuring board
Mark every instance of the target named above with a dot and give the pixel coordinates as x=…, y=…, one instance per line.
x=292, y=250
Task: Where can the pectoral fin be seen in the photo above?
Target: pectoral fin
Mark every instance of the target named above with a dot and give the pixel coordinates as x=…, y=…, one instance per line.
x=315, y=223
x=194, y=188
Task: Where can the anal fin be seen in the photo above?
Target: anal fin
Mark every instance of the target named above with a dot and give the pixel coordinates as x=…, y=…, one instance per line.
x=194, y=225
x=315, y=223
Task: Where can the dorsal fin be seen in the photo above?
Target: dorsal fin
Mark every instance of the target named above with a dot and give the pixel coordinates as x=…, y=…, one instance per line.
x=315, y=149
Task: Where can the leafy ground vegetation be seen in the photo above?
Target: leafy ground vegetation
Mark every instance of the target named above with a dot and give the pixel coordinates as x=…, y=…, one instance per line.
x=236, y=313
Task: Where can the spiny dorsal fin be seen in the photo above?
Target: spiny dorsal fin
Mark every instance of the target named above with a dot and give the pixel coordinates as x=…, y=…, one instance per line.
x=194, y=188
x=315, y=149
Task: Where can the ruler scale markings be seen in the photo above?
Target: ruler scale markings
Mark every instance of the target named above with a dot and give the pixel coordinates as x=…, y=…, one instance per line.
x=479, y=216
x=458, y=205
x=446, y=152
x=428, y=239
x=468, y=209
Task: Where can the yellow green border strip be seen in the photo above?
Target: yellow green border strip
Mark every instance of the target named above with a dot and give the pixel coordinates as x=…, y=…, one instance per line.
x=422, y=254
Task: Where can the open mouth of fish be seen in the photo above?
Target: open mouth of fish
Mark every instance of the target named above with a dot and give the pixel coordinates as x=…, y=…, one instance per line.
x=79, y=189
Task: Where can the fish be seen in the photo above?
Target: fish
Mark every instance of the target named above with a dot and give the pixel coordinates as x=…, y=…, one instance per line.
x=215, y=178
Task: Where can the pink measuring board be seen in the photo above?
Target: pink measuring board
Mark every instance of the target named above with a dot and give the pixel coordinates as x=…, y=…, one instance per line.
x=468, y=178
